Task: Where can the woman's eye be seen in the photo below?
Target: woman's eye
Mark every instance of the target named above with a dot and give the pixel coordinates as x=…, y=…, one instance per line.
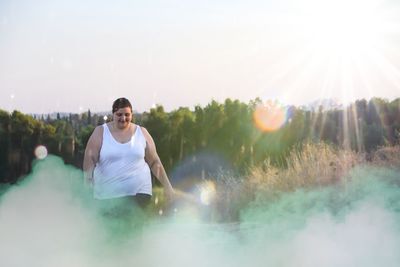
x=123, y=114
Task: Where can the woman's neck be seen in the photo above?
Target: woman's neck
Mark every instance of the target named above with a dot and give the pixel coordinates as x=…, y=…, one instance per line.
x=116, y=128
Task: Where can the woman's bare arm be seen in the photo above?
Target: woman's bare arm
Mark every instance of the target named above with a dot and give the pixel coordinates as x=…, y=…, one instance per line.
x=92, y=153
x=154, y=162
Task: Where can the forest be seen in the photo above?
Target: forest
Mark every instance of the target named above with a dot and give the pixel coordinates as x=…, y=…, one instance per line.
x=227, y=131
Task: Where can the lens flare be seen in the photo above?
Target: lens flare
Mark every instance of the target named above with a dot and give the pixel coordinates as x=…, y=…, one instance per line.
x=207, y=192
x=270, y=116
x=40, y=152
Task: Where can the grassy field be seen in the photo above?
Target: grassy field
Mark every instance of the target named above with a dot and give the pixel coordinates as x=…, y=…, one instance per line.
x=316, y=166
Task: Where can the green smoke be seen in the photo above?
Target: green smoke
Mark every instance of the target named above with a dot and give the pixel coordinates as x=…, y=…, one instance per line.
x=51, y=220
x=354, y=224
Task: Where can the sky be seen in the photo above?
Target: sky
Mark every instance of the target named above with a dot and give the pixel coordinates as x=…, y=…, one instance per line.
x=71, y=56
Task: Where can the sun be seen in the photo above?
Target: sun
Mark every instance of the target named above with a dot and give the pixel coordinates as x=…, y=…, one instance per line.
x=339, y=49
x=346, y=37
x=347, y=30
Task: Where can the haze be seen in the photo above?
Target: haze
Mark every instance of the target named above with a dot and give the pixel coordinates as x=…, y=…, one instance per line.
x=71, y=55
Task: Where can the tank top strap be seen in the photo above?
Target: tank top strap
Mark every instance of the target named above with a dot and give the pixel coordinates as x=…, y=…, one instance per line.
x=106, y=131
x=141, y=135
x=138, y=129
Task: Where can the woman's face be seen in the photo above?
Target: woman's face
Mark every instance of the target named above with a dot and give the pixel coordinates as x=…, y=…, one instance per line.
x=122, y=117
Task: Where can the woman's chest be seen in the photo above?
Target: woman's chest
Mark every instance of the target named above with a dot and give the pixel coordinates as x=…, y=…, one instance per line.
x=132, y=150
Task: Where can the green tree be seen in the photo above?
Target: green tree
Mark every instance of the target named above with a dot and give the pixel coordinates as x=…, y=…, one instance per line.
x=157, y=123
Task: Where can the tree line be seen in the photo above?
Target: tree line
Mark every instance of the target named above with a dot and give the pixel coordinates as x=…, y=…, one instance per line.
x=226, y=129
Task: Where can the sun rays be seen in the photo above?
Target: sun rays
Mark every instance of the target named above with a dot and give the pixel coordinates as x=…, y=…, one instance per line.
x=335, y=49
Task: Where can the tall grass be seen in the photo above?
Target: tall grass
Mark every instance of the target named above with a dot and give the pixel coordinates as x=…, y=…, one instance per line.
x=314, y=165
x=388, y=157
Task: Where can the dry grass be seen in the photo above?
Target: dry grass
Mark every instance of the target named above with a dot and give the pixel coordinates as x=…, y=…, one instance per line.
x=315, y=165
x=386, y=157
x=311, y=166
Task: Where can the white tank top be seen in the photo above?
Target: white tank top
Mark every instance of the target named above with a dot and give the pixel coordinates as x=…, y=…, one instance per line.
x=121, y=169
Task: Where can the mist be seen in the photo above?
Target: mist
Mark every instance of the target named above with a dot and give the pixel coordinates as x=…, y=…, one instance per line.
x=50, y=219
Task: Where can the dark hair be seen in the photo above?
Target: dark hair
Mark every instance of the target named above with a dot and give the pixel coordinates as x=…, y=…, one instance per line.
x=121, y=102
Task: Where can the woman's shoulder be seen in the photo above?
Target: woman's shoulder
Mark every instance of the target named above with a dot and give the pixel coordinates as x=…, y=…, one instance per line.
x=143, y=129
x=98, y=130
x=145, y=133
x=101, y=126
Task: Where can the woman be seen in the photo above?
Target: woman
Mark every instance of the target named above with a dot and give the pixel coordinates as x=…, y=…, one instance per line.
x=119, y=157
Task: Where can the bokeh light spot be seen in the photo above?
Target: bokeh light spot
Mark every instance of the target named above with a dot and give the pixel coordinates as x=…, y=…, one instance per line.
x=207, y=192
x=269, y=116
x=40, y=152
